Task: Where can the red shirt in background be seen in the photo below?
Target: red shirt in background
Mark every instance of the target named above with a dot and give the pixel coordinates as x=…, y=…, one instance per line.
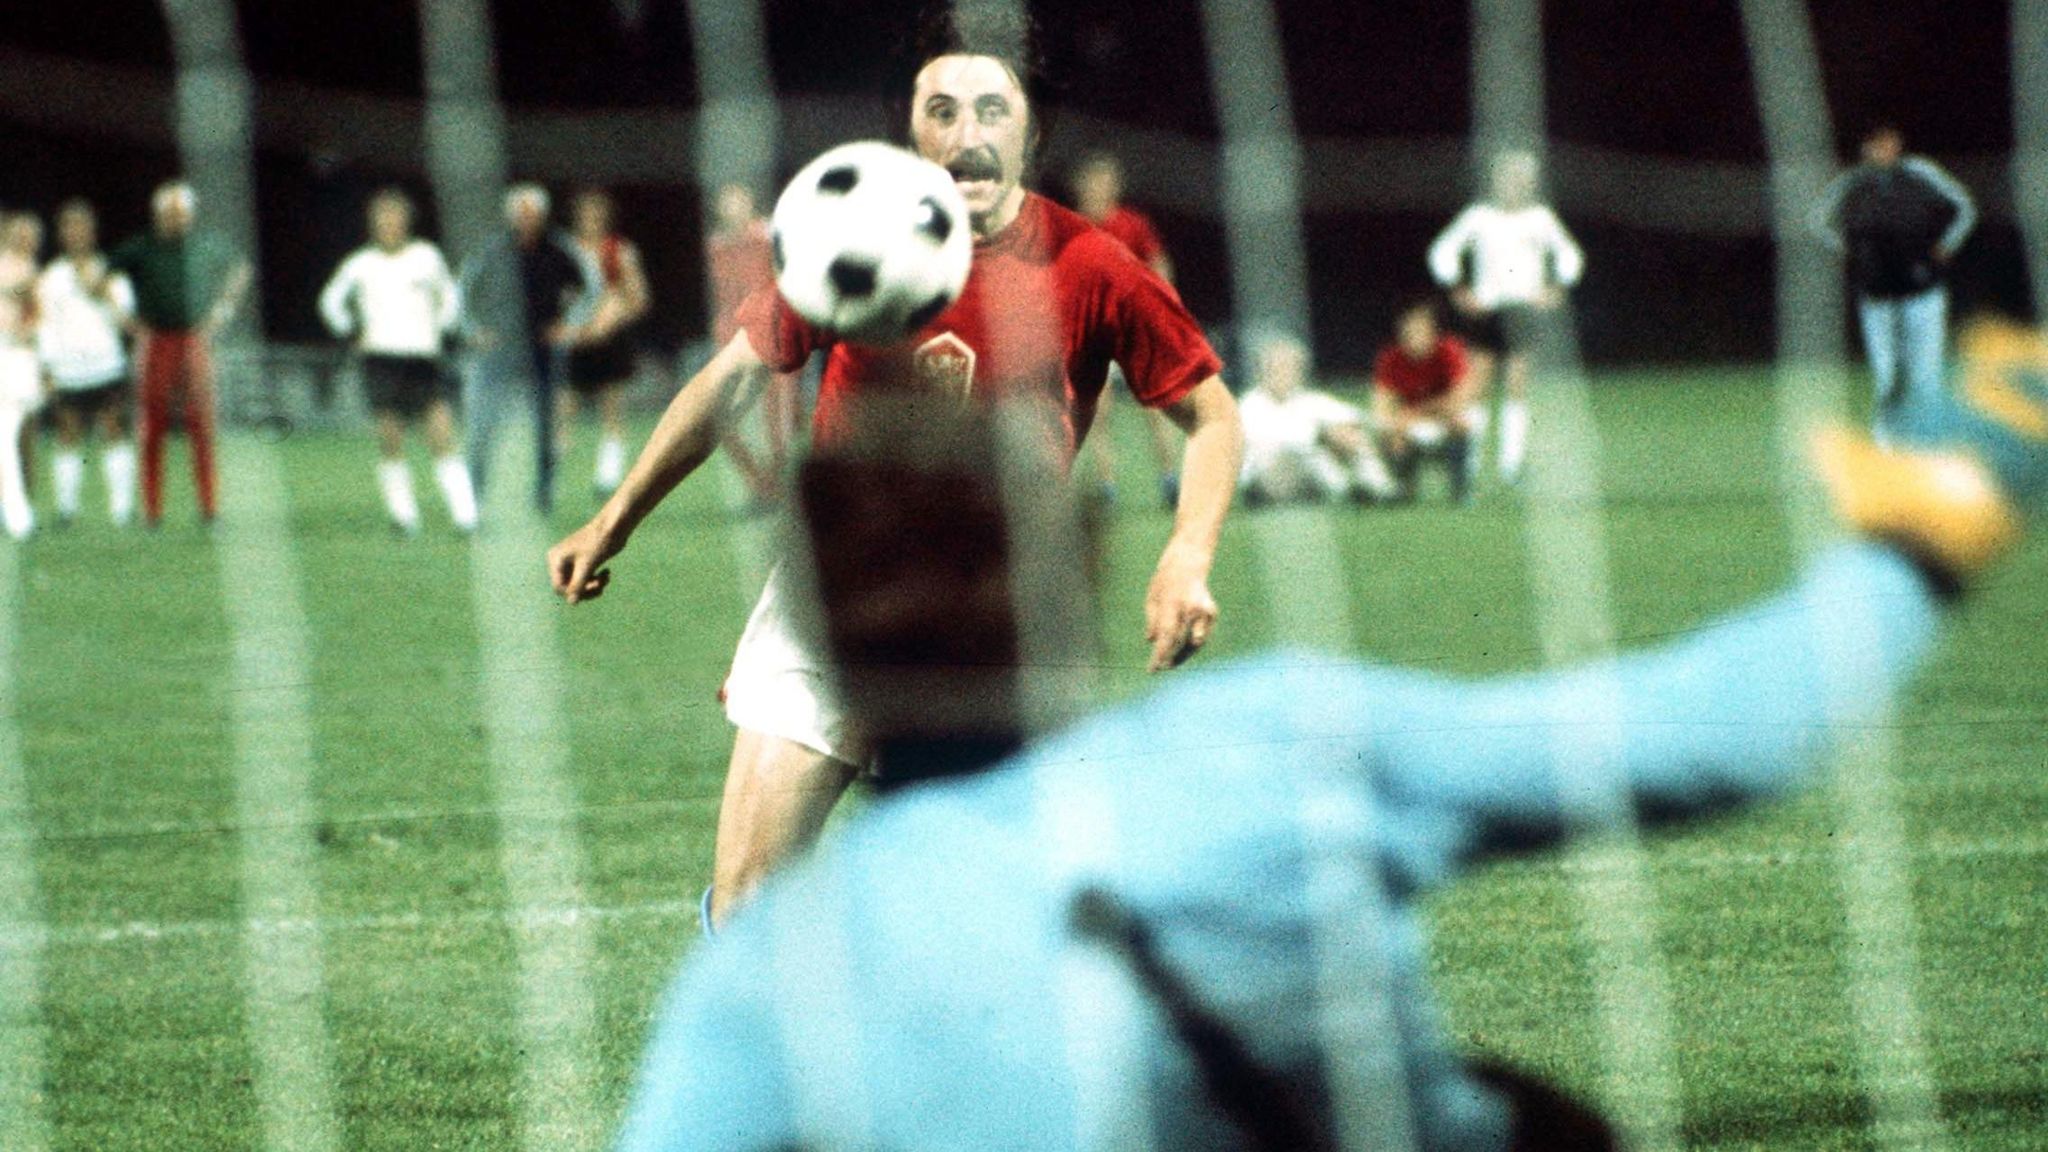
x=1049, y=302
x=1420, y=381
x=741, y=264
x=1135, y=229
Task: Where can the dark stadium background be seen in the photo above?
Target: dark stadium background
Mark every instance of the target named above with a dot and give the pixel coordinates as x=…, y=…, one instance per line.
x=1666, y=80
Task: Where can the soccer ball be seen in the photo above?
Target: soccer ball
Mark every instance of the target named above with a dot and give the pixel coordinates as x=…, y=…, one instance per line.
x=871, y=242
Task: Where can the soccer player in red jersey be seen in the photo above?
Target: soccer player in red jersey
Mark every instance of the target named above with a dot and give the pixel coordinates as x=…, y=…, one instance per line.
x=1424, y=394
x=1099, y=195
x=740, y=260
x=1050, y=302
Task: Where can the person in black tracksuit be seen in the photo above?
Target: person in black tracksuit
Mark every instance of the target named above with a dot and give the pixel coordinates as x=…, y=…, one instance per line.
x=1899, y=219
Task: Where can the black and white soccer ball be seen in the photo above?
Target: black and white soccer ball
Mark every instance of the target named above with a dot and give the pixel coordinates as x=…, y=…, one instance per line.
x=871, y=242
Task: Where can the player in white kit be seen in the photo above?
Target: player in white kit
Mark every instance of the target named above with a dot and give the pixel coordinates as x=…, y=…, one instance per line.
x=84, y=310
x=1506, y=260
x=396, y=300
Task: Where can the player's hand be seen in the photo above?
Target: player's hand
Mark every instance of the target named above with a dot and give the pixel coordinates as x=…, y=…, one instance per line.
x=1179, y=611
x=576, y=565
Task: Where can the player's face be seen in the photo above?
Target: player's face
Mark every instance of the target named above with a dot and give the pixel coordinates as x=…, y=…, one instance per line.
x=1884, y=148
x=1417, y=332
x=527, y=219
x=77, y=231
x=390, y=223
x=968, y=115
x=1281, y=368
x=174, y=216
x=25, y=235
x=1098, y=189
x=593, y=215
x=735, y=207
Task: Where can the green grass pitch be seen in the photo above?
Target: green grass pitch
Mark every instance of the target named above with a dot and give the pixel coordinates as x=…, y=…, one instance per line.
x=124, y=660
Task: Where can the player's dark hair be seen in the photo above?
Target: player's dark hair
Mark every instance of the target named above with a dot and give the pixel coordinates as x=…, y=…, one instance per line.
x=1002, y=30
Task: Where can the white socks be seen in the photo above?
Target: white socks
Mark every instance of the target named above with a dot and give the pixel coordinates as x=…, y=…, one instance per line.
x=453, y=476
x=67, y=468
x=1514, y=438
x=118, y=461
x=396, y=481
x=611, y=464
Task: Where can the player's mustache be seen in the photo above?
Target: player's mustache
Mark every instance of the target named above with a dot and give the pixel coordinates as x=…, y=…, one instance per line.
x=980, y=164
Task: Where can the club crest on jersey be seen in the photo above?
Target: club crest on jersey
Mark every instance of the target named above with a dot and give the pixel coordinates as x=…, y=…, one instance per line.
x=945, y=364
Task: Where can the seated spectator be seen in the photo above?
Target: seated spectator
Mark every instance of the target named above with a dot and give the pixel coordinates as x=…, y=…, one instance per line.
x=1301, y=444
x=1425, y=402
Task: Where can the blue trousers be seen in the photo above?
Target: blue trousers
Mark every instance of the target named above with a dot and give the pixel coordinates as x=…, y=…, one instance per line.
x=1904, y=337
x=495, y=385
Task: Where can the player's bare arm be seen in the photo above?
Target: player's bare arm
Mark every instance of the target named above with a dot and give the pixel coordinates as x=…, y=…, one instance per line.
x=688, y=432
x=1180, y=613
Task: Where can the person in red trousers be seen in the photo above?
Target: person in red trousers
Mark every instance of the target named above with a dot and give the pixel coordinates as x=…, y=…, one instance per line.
x=186, y=288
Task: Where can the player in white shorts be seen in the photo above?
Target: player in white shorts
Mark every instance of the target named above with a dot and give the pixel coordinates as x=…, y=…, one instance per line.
x=84, y=311
x=1301, y=444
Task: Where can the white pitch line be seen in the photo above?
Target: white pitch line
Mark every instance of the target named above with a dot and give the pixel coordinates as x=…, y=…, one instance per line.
x=144, y=933
x=24, y=1120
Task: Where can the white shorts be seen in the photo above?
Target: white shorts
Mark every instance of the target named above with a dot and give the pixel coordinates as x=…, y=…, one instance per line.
x=780, y=681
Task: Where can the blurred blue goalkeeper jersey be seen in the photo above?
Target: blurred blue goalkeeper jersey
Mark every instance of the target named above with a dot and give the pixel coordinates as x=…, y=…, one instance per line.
x=917, y=982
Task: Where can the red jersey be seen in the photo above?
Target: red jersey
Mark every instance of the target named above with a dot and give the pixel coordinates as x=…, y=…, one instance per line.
x=1135, y=229
x=741, y=265
x=1048, y=303
x=1418, y=381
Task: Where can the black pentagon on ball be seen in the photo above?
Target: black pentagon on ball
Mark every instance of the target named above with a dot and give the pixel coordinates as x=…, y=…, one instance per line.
x=839, y=181
x=775, y=246
x=852, y=276
x=937, y=222
x=928, y=311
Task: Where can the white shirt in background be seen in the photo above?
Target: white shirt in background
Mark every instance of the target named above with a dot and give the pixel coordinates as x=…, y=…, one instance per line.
x=403, y=301
x=1275, y=428
x=1515, y=254
x=80, y=337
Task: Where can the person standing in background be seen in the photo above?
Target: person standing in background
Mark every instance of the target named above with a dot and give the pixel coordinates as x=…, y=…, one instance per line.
x=523, y=302
x=21, y=378
x=740, y=256
x=187, y=287
x=1899, y=219
x=1099, y=195
x=600, y=366
x=394, y=299
x=85, y=309
x=1506, y=261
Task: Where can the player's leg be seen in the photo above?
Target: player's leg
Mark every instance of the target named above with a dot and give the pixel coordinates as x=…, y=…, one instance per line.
x=394, y=478
x=450, y=473
x=1397, y=444
x=117, y=455
x=1514, y=414
x=778, y=794
x=67, y=465
x=20, y=386
x=1879, y=321
x=158, y=368
x=548, y=367
x=1923, y=339
x=611, y=444
x=199, y=423
x=487, y=392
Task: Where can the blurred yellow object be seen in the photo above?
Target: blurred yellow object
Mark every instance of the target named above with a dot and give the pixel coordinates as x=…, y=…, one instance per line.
x=1943, y=507
x=1992, y=348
